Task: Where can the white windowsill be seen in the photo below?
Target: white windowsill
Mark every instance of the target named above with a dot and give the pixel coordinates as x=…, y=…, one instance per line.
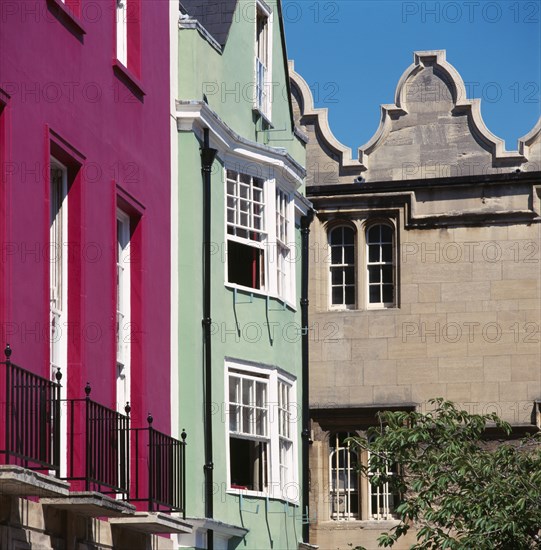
x=265, y=117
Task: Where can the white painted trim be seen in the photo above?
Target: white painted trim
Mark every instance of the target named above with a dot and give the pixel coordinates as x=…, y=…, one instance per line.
x=174, y=15
x=123, y=388
x=121, y=20
x=196, y=115
x=63, y=319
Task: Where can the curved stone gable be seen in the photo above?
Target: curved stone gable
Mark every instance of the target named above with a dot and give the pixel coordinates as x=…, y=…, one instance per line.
x=432, y=130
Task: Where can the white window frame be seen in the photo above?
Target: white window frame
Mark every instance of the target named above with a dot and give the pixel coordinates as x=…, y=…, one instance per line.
x=284, y=240
x=263, y=67
x=121, y=21
x=337, y=473
x=381, y=304
x=285, y=435
x=269, y=237
x=382, y=492
x=342, y=266
x=277, y=486
x=58, y=270
x=123, y=310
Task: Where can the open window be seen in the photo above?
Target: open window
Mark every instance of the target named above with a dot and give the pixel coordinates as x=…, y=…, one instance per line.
x=248, y=432
x=246, y=260
x=262, y=432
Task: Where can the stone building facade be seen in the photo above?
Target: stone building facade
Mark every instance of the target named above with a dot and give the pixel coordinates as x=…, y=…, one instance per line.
x=425, y=280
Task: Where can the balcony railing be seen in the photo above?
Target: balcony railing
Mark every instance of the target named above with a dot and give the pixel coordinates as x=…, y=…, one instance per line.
x=160, y=460
x=97, y=443
x=103, y=434
x=31, y=410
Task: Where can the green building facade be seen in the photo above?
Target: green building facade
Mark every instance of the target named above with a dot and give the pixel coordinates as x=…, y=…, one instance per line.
x=239, y=334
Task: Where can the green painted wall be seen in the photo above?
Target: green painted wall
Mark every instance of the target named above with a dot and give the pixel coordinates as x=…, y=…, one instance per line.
x=203, y=70
x=227, y=79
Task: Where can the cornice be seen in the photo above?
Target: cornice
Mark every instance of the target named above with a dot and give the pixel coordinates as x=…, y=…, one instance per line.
x=196, y=115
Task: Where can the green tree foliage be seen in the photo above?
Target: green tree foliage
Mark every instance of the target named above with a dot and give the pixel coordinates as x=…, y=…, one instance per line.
x=457, y=491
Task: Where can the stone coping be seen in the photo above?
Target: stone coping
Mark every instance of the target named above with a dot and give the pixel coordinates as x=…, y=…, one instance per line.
x=23, y=482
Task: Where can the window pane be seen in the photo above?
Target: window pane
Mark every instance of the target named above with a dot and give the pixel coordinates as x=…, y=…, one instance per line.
x=234, y=385
x=261, y=394
x=373, y=234
x=337, y=295
x=261, y=422
x=373, y=253
x=336, y=236
x=374, y=274
x=247, y=427
x=348, y=235
x=387, y=252
x=234, y=418
x=388, y=294
x=247, y=392
x=387, y=271
x=336, y=276
x=336, y=255
x=386, y=234
x=349, y=254
x=350, y=295
x=375, y=295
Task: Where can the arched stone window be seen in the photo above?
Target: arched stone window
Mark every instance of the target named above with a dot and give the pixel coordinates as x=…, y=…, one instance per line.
x=343, y=478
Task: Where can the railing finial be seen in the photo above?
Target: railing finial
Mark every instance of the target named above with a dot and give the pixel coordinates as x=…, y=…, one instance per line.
x=88, y=389
x=58, y=375
x=183, y=435
x=150, y=419
x=127, y=408
x=7, y=353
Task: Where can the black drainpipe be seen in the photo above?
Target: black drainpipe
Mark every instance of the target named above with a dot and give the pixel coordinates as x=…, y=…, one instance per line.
x=305, y=232
x=207, y=158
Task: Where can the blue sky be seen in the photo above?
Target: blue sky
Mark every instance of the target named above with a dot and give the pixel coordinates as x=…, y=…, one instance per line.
x=353, y=52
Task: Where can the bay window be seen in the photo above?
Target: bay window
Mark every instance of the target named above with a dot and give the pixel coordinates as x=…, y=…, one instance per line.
x=261, y=432
x=260, y=232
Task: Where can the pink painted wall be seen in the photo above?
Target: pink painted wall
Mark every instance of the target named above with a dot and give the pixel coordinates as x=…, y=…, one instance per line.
x=60, y=90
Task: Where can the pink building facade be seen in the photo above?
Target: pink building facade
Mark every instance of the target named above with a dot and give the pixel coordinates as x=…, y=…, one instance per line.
x=85, y=215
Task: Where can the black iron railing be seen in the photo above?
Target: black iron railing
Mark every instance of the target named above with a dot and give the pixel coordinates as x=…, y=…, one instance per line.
x=160, y=469
x=103, y=434
x=31, y=410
